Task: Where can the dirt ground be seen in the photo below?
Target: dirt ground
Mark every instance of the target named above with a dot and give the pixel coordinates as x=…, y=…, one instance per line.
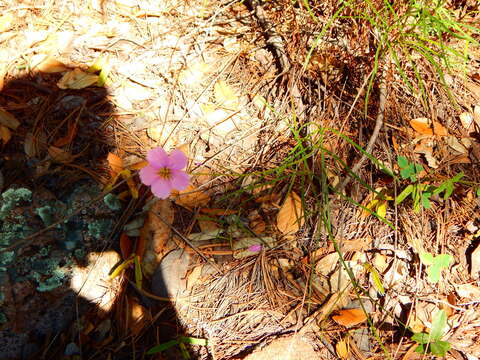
x=292, y=240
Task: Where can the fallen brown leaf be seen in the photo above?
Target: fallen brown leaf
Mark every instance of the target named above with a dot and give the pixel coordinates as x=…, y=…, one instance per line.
x=77, y=79
x=5, y=134
x=475, y=261
x=115, y=163
x=8, y=120
x=422, y=126
x=59, y=155
x=51, y=65
x=291, y=216
x=439, y=129
x=350, y=317
x=191, y=197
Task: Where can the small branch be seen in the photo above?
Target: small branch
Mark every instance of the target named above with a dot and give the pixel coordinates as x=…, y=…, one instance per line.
x=374, y=137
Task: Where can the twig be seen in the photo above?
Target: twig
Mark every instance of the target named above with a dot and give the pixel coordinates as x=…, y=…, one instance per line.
x=373, y=138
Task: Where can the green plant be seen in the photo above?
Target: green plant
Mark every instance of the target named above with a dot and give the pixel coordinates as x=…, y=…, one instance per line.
x=435, y=264
x=432, y=343
x=421, y=193
x=180, y=341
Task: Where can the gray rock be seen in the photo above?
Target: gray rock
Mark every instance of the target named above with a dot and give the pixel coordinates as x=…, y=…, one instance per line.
x=169, y=278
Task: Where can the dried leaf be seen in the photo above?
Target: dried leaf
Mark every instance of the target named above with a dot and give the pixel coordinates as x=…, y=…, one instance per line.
x=155, y=132
x=476, y=115
x=34, y=143
x=6, y=22
x=231, y=45
x=468, y=291
x=126, y=246
x=115, y=163
x=67, y=139
x=342, y=349
x=225, y=95
x=8, y=120
x=191, y=197
x=467, y=120
x=439, y=129
x=218, y=212
x=77, y=79
x=422, y=126
x=456, y=145
x=194, y=276
x=290, y=217
x=138, y=318
x=5, y=134
x=350, y=317
x=59, y=155
x=50, y=65
x=475, y=261
x=327, y=264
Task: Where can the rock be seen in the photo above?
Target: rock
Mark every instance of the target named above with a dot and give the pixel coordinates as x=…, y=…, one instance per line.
x=286, y=348
x=92, y=282
x=169, y=278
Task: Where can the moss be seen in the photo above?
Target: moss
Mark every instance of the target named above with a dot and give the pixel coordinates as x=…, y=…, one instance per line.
x=12, y=198
x=100, y=228
x=6, y=258
x=112, y=202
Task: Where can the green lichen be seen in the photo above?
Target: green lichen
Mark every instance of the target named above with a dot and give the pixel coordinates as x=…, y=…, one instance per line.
x=112, y=202
x=100, y=228
x=12, y=198
x=6, y=258
x=46, y=213
x=3, y=318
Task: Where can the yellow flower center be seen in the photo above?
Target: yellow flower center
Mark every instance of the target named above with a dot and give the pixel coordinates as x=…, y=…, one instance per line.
x=165, y=173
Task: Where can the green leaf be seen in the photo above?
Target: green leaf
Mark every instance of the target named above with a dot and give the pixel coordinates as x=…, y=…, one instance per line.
x=404, y=194
x=426, y=200
x=193, y=341
x=407, y=172
x=439, y=263
x=162, y=347
x=418, y=169
x=478, y=191
x=402, y=161
x=420, y=349
x=439, y=348
x=426, y=258
x=439, y=322
x=421, y=338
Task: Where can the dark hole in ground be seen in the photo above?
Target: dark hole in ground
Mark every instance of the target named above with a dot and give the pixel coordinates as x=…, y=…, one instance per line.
x=54, y=164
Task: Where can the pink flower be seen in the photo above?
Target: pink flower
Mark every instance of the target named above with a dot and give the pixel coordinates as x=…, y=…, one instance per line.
x=255, y=248
x=164, y=172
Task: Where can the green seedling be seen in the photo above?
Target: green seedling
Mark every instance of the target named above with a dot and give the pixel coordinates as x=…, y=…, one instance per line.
x=432, y=343
x=435, y=265
x=421, y=193
x=181, y=342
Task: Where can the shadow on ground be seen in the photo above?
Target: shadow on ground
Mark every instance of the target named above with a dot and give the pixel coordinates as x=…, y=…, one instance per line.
x=59, y=234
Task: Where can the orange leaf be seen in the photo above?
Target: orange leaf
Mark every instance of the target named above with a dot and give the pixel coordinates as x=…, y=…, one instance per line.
x=439, y=129
x=290, y=217
x=51, y=65
x=139, y=165
x=191, y=197
x=422, y=125
x=116, y=164
x=218, y=212
x=350, y=317
x=125, y=246
x=5, y=134
x=67, y=139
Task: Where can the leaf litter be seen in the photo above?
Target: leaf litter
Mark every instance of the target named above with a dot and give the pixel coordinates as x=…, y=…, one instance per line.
x=246, y=232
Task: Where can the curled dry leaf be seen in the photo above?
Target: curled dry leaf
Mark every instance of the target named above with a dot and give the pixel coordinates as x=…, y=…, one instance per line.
x=456, y=145
x=34, y=143
x=115, y=163
x=194, y=276
x=5, y=134
x=350, y=317
x=48, y=64
x=475, y=263
x=467, y=120
x=191, y=197
x=291, y=216
x=8, y=120
x=77, y=79
x=422, y=126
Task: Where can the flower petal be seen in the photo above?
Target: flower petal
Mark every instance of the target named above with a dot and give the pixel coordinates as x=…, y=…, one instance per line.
x=158, y=157
x=177, y=160
x=149, y=175
x=162, y=188
x=179, y=179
